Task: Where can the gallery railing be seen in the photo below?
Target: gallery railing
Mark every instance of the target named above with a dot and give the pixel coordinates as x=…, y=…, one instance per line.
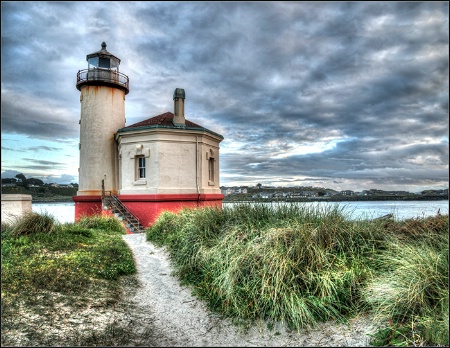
x=103, y=76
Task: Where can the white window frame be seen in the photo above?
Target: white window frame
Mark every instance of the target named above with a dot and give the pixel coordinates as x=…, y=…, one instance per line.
x=140, y=154
x=140, y=168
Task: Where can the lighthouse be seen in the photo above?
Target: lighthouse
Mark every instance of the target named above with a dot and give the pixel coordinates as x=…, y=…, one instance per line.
x=102, y=98
x=163, y=163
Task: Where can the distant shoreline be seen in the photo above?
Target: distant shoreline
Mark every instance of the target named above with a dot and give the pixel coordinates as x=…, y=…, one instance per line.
x=344, y=199
x=54, y=200
x=328, y=199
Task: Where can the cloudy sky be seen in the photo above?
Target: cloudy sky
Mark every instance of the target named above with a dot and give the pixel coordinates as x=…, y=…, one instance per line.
x=341, y=95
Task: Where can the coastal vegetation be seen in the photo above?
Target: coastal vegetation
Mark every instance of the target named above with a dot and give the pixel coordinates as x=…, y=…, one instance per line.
x=296, y=265
x=260, y=193
x=44, y=193
x=300, y=265
x=50, y=270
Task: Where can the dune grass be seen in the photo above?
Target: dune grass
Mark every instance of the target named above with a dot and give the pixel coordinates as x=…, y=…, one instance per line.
x=294, y=264
x=410, y=289
x=50, y=268
x=39, y=254
x=302, y=265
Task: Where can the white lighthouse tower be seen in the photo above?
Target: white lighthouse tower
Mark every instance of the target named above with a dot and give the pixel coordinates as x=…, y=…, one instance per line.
x=103, y=89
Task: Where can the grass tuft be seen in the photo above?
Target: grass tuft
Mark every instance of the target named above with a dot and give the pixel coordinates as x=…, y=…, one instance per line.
x=412, y=288
x=301, y=265
x=32, y=223
x=103, y=222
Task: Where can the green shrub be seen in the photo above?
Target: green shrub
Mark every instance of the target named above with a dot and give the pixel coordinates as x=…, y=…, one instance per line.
x=108, y=223
x=71, y=258
x=295, y=263
x=411, y=287
x=6, y=230
x=32, y=223
x=301, y=264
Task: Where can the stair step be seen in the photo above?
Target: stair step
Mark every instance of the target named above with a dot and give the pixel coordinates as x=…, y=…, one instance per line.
x=122, y=214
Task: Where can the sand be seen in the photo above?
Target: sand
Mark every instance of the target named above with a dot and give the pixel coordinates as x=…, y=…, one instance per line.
x=174, y=317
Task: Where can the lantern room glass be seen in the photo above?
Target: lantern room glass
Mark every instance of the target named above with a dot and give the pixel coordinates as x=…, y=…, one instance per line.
x=103, y=63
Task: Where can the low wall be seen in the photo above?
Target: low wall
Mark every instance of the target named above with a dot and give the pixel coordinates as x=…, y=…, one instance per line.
x=147, y=207
x=14, y=206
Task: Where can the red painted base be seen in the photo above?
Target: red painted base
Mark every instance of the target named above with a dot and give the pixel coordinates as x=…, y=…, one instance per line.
x=87, y=206
x=147, y=207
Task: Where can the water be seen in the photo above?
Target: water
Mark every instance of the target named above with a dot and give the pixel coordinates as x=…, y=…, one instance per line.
x=372, y=209
x=400, y=210
x=65, y=212
x=62, y=212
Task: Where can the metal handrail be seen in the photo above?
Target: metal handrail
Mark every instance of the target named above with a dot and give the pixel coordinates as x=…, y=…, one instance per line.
x=117, y=200
x=118, y=204
x=103, y=75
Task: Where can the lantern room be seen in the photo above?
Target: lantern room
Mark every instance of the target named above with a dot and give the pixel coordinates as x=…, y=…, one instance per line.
x=103, y=69
x=103, y=60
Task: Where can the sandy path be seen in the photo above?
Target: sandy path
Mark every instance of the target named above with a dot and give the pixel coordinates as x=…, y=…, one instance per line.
x=176, y=318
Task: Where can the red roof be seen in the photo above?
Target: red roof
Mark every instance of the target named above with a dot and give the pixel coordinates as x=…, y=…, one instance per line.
x=161, y=120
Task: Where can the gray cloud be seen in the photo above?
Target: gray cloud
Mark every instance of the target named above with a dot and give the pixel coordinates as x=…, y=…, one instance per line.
x=362, y=85
x=43, y=162
x=43, y=148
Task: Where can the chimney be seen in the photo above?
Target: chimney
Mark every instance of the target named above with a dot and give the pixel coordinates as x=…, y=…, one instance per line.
x=178, y=106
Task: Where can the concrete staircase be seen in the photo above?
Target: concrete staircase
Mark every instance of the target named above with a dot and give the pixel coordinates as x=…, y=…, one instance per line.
x=116, y=207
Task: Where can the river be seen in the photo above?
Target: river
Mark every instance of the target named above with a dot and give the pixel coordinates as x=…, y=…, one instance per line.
x=65, y=212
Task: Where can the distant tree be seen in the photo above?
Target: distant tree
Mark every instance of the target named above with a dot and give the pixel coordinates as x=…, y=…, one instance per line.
x=259, y=186
x=22, y=180
x=20, y=177
x=43, y=190
x=34, y=181
x=9, y=180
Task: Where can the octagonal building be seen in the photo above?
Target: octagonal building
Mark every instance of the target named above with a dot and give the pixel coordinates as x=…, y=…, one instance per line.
x=165, y=162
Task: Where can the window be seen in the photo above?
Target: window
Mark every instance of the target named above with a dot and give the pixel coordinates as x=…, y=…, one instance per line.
x=211, y=169
x=115, y=63
x=140, y=167
x=93, y=61
x=103, y=63
x=139, y=155
x=211, y=163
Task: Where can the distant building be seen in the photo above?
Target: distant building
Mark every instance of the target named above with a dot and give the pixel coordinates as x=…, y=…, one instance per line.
x=347, y=193
x=233, y=190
